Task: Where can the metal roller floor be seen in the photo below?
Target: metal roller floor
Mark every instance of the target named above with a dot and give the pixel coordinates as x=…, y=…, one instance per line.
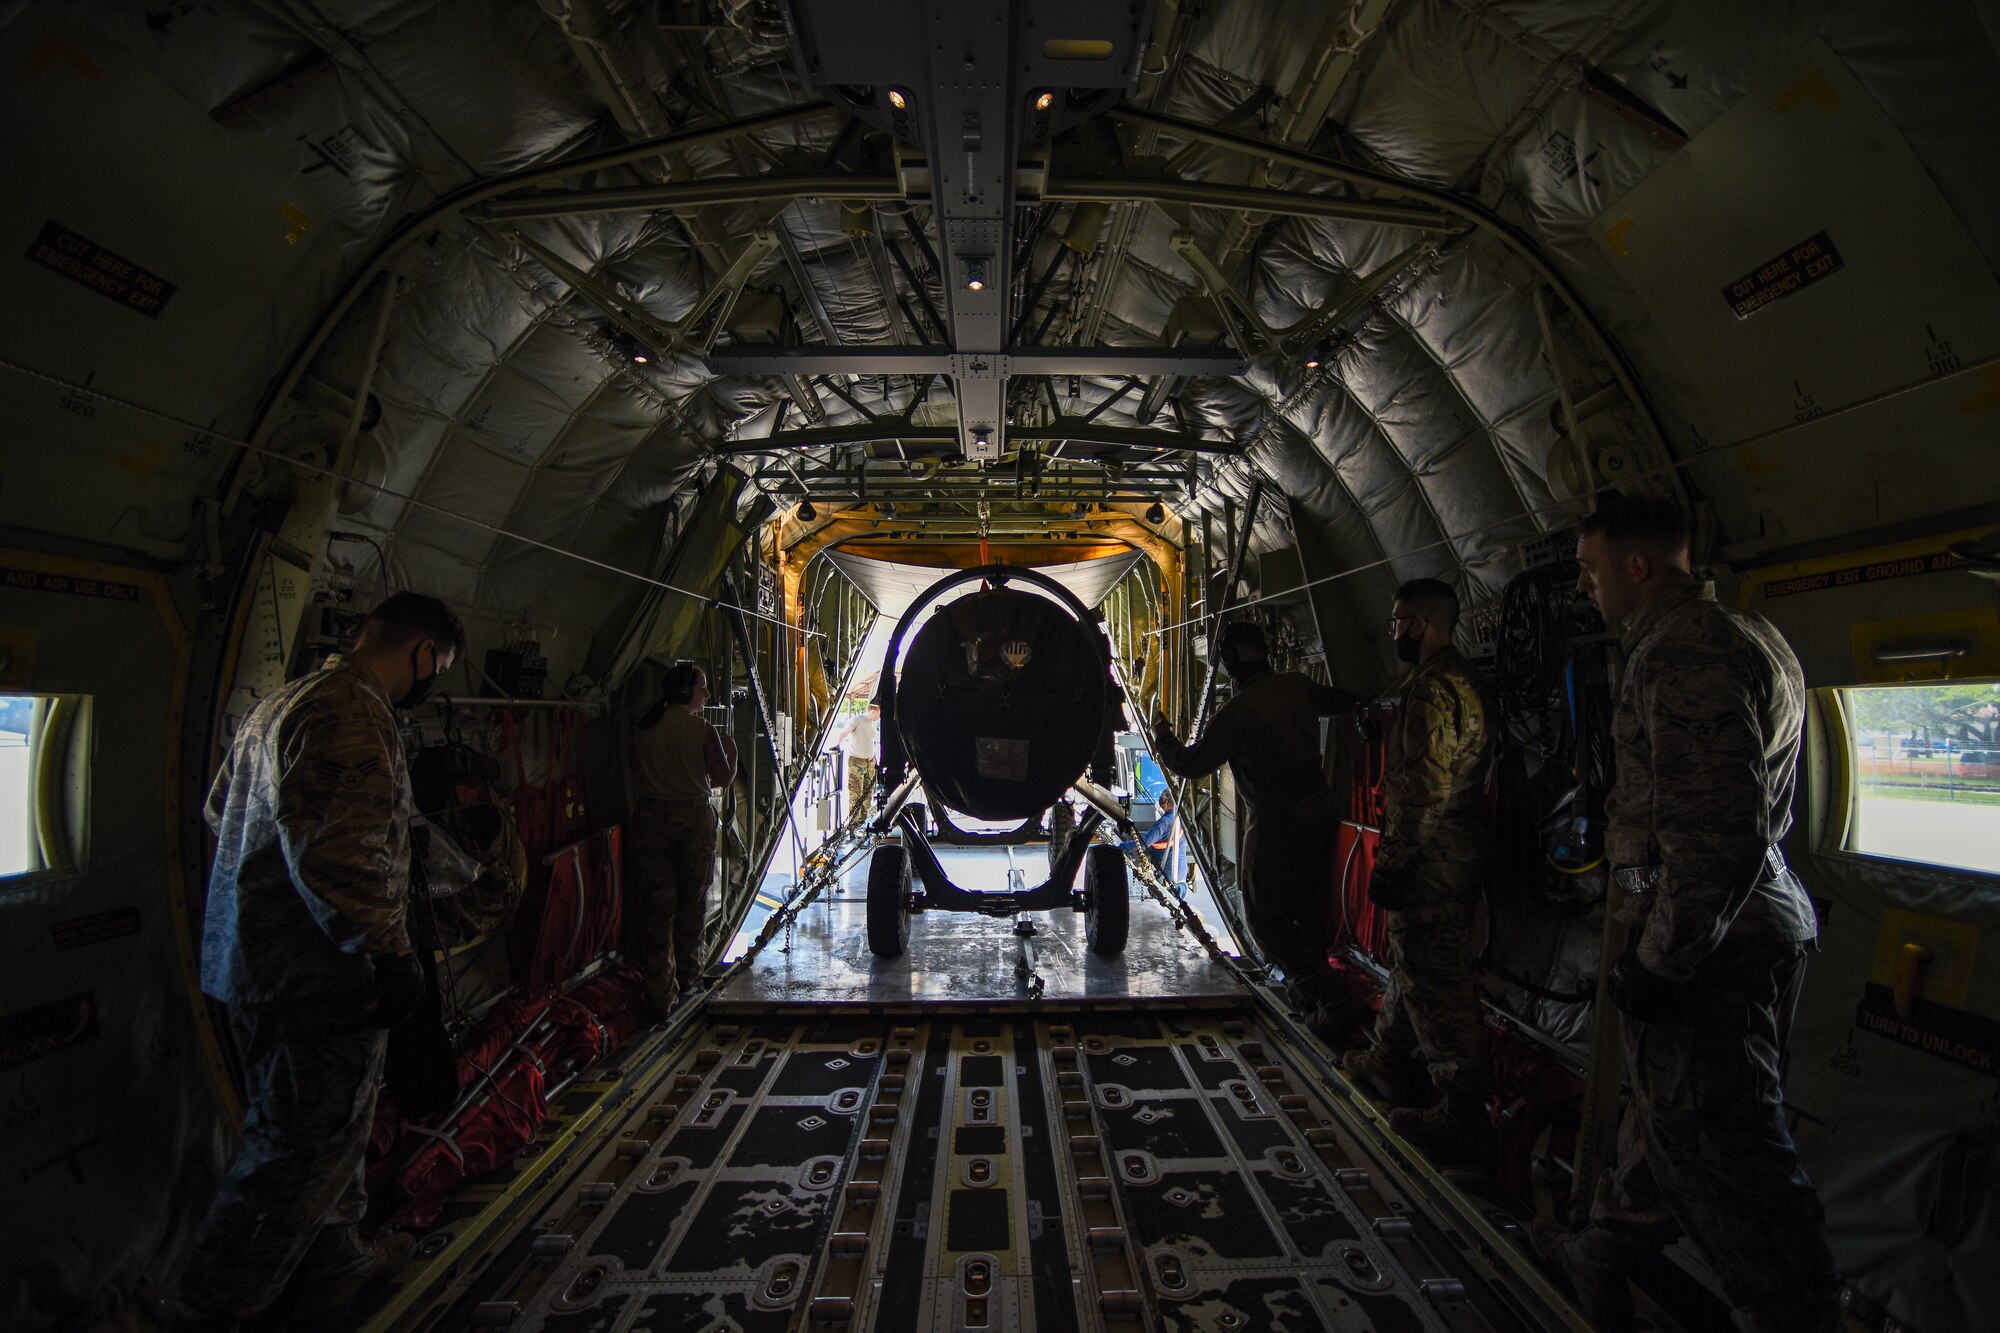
x=1159, y=1168
x=836, y=1142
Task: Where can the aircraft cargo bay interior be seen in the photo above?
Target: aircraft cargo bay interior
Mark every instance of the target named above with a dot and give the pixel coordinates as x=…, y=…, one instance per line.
x=806, y=666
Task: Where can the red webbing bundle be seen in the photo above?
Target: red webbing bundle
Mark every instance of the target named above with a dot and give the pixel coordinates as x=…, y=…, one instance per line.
x=581, y=911
x=555, y=810
x=507, y=1070
x=1356, y=921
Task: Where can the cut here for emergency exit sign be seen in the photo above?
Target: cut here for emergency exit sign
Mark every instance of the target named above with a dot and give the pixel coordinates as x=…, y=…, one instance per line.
x=1783, y=275
x=84, y=261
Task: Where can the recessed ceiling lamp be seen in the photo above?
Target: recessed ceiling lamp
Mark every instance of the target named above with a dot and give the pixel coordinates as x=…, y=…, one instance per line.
x=1045, y=101
x=898, y=100
x=625, y=345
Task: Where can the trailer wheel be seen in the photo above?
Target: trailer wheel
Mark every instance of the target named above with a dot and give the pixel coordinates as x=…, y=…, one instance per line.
x=1107, y=899
x=888, y=901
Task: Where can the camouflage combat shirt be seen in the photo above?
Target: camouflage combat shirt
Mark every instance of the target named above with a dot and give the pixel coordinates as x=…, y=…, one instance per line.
x=1268, y=734
x=311, y=818
x=1707, y=733
x=1440, y=757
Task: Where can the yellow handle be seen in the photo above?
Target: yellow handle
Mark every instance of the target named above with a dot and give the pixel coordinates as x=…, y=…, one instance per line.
x=1911, y=959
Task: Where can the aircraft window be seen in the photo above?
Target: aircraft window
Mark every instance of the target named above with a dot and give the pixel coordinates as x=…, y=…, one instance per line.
x=1926, y=773
x=43, y=741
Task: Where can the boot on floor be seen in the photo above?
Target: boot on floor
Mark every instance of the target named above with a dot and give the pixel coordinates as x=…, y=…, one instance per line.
x=1453, y=1131
x=1401, y=1083
x=337, y=1270
x=1602, y=1293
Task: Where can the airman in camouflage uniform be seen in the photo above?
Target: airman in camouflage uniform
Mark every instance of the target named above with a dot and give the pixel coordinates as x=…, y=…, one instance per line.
x=1707, y=730
x=1427, y=876
x=678, y=756
x=1268, y=734
x=304, y=938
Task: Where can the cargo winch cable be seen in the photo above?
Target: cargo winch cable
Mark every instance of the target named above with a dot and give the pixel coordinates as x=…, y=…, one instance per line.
x=277, y=456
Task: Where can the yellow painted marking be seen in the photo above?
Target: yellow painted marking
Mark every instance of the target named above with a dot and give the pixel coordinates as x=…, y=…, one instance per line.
x=52, y=51
x=300, y=223
x=1756, y=467
x=1947, y=978
x=1615, y=237
x=1814, y=86
x=1985, y=398
x=1978, y=627
x=17, y=658
x=145, y=464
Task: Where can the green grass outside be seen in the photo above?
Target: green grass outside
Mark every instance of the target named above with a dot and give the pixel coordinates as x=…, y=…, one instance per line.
x=1974, y=791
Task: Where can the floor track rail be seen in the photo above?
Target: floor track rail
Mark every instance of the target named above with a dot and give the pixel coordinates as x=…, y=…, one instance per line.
x=1099, y=1167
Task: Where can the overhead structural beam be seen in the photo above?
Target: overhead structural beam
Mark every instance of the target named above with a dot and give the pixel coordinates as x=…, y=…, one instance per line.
x=469, y=198
x=1121, y=437
x=1379, y=183
x=781, y=487
x=1159, y=190
x=879, y=431
x=688, y=194
x=1451, y=206
x=935, y=360
x=695, y=330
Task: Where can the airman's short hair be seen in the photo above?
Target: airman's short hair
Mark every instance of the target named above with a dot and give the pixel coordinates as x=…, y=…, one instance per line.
x=1648, y=522
x=407, y=616
x=1433, y=599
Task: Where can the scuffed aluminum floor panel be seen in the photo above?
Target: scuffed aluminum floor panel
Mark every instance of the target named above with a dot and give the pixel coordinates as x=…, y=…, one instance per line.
x=956, y=958
x=960, y=958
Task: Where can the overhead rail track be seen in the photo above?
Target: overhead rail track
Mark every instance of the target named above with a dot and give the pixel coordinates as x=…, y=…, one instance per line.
x=1373, y=197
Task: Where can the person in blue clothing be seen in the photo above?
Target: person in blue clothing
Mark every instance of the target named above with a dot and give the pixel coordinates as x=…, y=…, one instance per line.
x=1162, y=841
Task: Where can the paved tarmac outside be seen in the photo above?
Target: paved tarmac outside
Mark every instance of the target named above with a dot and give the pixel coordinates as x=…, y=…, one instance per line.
x=1948, y=833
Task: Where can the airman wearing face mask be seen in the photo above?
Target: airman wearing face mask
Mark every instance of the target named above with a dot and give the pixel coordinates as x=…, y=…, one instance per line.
x=305, y=938
x=1431, y=1055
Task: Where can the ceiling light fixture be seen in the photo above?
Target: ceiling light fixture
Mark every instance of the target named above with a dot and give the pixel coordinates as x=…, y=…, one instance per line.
x=1156, y=512
x=806, y=512
x=1045, y=101
x=975, y=273
x=898, y=100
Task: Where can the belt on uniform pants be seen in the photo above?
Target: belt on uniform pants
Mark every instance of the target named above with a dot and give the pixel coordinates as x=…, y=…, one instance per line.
x=676, y=802
x=1640, y=880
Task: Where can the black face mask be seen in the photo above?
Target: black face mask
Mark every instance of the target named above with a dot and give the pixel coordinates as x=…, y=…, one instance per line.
x=1409, y=648
x=421, y=686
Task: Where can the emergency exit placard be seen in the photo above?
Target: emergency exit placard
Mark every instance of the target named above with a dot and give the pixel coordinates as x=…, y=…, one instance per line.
x=89, y=264
x=1780, y=276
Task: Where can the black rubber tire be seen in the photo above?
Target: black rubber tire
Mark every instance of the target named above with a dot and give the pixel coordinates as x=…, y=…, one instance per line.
x=1107, y=899
x=1062, y=823
x=888, y=901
